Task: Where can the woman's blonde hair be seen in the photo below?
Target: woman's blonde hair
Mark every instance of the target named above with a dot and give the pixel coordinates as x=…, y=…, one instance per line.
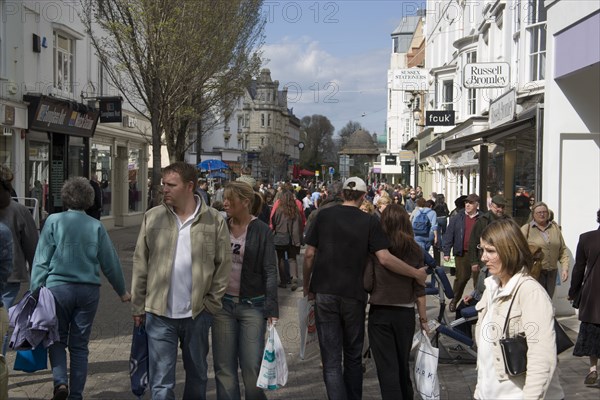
x=244, y=191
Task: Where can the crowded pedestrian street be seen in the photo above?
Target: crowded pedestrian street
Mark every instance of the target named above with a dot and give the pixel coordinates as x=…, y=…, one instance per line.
x=108, y=377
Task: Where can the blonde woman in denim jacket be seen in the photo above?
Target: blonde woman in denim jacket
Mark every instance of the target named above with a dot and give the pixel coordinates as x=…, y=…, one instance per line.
x=505, y=252
x=250, y=298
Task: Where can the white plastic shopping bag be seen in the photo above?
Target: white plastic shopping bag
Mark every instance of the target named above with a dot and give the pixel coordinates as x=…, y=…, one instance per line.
x=309, y=341
x=273, y=370
x=426, y=377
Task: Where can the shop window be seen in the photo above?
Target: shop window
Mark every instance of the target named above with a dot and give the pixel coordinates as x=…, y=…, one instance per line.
x=37, y=173
x=6, y=143
x=76, y=157
x=63, y=62
x=133, y=168
x=471, y=93
x=101, y=166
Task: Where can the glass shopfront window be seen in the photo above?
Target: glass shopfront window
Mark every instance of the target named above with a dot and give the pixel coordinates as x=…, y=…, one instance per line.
x=6, y=142
x=101, y=166
x=38, y=170
x=76, y=158
x=135, y=192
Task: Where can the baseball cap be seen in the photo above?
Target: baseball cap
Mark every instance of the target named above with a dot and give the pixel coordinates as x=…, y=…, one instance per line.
x=355, y=183
x=472, y=198
x=499, y=200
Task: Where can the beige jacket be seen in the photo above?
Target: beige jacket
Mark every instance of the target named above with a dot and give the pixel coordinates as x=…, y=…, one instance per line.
x=155, y=252
x=531, y=313
x=554, y=250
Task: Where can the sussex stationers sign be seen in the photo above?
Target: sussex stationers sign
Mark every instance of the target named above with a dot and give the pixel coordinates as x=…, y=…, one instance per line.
x=486, y=75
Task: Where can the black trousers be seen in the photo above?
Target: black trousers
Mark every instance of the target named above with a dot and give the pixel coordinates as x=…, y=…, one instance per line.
x=391, y=330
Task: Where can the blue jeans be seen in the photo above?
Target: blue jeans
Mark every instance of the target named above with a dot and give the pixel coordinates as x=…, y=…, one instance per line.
x=238, y=335
x=341, y=330
x=164, y=334
x=11, y=290
x=76, y=305
x=424, y=242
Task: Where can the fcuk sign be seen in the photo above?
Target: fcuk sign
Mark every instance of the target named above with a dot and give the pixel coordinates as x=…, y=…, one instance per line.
x=439, y=118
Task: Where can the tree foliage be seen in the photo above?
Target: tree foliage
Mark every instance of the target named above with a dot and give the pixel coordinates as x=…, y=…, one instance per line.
x=177, y=61
x=316, y=132
x=348, y=130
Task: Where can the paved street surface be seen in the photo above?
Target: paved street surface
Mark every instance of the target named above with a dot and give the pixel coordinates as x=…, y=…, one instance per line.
x=111, y=338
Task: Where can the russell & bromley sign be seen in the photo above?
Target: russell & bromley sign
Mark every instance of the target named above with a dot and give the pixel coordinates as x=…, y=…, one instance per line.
x=486, y=75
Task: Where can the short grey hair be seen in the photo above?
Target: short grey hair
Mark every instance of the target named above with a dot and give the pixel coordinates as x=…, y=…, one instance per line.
x=77, y=194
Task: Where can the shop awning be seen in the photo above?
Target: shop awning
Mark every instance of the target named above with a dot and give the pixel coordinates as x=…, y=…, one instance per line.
x=488, y=136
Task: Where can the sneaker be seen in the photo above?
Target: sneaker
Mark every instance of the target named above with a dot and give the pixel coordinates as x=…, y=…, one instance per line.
x=294, y=284
x=591, y=378
x=61, y=392
x=452, y=306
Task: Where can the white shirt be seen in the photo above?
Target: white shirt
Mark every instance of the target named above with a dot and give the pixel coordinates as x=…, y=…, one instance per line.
x=179, y=300
x=307, y=202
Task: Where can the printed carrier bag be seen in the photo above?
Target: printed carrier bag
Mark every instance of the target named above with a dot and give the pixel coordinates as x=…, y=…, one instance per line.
x=426, y=377
x=273, y=369
x=309, y=341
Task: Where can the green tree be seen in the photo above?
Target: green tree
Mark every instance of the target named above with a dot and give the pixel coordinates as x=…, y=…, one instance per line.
x=177, y=62
x=316, y=132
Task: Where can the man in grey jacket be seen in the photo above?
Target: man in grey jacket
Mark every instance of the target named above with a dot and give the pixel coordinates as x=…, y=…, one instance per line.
x=181, y=268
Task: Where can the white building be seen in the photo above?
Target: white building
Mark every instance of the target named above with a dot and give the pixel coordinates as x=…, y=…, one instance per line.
x=50, y=80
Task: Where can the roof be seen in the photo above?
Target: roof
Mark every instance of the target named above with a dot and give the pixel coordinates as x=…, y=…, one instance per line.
x=407, y=25
x=360, y=142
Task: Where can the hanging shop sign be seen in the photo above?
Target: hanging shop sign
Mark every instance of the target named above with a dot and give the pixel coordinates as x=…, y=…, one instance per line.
x=502, y=110
x=439, y=118
x=390, y=160
x=409, y=79
x=486, y=75
x=110, y=109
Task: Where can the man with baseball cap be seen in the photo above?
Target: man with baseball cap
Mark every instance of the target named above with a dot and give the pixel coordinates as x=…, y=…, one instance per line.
x=338, y=244
x=457, y=238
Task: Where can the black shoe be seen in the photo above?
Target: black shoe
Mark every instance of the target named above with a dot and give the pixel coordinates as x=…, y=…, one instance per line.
x=61, y=392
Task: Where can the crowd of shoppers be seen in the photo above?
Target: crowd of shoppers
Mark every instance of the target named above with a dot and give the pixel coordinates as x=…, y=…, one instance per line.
x=215, y=268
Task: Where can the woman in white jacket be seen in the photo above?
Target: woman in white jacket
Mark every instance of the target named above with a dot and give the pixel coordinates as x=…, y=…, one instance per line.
x=505, y=252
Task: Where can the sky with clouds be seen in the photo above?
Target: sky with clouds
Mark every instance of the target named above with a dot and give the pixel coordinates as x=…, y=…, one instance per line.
x=334, y=55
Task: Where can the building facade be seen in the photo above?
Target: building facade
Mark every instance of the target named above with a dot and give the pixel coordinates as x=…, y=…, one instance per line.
x=50, y=116
x=262, y=133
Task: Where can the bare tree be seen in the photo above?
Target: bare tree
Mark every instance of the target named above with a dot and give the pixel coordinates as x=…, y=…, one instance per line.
x=348, y=130
x=273, y=162
x=176, y=60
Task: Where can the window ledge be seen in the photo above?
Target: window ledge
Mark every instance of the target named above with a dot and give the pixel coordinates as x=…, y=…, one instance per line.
x=69, y=31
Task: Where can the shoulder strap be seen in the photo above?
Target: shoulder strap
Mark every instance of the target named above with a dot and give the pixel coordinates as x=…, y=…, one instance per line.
x=528, y=229
x=505, y=329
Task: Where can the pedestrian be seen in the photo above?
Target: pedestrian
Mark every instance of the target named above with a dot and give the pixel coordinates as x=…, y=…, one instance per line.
x=338, y=245
x=545, y=234
x=202, y=190
x=424, y=224
x=287, y=220
x=392, y=307
x=95, y=210
x=250, y=299
x=496, y=212
x=411, y=201
x=585, y=282
x=181, y=267
x=6, y=261
x=442, y=213
x=19, y=220
x=72, y=250
x=505, y=252
x=457, y=239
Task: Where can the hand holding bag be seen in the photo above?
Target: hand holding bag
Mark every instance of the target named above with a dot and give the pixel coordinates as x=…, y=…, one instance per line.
x=514, y=349
x=426, y=377
x=139, y=361
x=563, y=341
x=273, y=369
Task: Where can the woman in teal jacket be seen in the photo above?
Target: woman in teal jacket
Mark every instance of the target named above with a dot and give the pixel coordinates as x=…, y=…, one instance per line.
x=72, y=249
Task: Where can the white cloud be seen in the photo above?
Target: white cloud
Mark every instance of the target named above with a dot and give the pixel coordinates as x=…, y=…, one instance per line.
x=341, y=88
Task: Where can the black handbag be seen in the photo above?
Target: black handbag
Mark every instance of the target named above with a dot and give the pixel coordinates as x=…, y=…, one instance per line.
x=563, y=341
x=514, y=349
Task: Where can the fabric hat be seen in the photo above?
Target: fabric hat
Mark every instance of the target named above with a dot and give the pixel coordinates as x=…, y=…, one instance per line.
x=472, y=198
x=355, y=183
x=247, y=179
x=499, y=200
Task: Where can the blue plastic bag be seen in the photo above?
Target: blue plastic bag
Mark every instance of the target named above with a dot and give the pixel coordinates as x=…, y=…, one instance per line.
x=31, y=360
x=138, y=361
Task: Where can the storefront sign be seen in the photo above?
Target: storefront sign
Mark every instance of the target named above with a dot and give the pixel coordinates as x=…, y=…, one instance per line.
x=502, y=110
x=110, y=109
x=390, y=160
x=9, y=115
x=54, y=115
x=408, y=80
x=486, y=75
x=439, y=118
